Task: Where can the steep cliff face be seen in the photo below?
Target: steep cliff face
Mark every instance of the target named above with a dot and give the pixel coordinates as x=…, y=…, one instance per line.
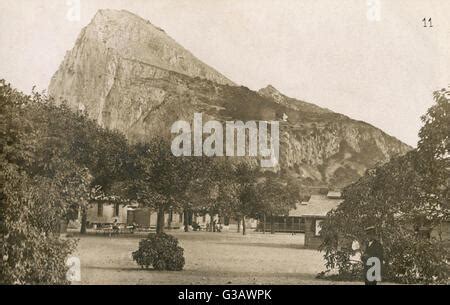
x=130, y=76
x=112, y=38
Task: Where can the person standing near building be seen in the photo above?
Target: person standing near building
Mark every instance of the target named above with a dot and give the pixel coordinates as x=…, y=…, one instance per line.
x=372, y=258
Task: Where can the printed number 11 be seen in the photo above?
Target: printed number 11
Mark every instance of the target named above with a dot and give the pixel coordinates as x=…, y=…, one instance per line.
x=425, y=22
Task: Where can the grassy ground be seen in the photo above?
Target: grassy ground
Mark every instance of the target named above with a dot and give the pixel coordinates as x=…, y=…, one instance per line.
x=211, y=258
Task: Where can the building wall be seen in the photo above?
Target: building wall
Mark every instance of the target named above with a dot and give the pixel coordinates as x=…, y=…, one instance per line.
x=227, y=224
x=147, y=218
x=143, y=217
x=291, y=224
x=202, y=220
x=312, y=240
x=108, y=214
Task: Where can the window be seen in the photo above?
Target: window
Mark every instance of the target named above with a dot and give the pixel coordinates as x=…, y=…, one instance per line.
x=100, y=209
x=318, y=227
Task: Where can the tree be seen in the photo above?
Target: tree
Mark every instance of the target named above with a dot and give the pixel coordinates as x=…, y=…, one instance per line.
x=61, y=135
x=209, y=194
x=404, y=199
x=161, y=180
x=434, y=148
x=275, y=198
x=35, y=194
x=51, y=158
x=31, y=210
x=200, y=191
x=237, y=192
x=434, y=135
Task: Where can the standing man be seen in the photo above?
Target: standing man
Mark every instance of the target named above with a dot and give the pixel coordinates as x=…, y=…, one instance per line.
x=372, y=258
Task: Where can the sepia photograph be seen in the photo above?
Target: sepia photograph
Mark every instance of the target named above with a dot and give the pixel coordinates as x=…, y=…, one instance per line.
x=225, y=142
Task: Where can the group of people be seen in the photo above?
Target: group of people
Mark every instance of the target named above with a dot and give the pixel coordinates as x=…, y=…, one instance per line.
x=214, y=227
x=116, y=227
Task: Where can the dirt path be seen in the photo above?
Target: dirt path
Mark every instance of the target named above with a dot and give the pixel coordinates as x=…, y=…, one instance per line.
x=211, y=258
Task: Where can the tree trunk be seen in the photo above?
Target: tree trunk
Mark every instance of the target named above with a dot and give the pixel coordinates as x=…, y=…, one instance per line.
x=211, y=222
x=272, y=228
x=238, y=225
x=264, y=223
x=83, y=229
x=160, y=221
x=186, y=221
x=169, y=221
x=243, y=226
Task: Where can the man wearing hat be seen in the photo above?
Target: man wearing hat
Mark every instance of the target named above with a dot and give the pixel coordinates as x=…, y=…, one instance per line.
x=372, y=257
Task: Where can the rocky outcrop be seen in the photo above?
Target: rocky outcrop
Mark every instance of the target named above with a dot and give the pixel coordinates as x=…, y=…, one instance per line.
x=129, y=75
x=113, y=37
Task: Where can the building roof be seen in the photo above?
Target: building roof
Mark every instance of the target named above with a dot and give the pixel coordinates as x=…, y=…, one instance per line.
x=334, y=195
x=318, y=205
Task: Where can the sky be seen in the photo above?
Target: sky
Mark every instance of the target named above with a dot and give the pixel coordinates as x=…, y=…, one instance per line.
x=372, y=60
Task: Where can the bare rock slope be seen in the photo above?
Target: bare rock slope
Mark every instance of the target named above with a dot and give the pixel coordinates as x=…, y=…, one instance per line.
x=131, y=76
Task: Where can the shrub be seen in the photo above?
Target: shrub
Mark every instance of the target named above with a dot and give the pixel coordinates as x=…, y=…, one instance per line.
x=160, y=251
x=31, y=251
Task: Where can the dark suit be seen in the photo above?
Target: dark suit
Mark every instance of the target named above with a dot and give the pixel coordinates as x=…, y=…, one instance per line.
x=373, y=249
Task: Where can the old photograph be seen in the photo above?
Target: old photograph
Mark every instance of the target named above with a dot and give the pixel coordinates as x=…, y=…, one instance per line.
x=224, y=142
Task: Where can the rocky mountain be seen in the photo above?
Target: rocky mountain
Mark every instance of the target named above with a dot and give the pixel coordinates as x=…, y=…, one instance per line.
x=129, y=75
